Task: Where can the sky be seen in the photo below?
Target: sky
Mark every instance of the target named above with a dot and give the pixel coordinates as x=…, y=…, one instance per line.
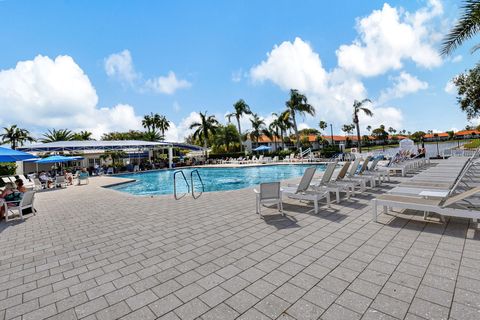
x=101, y=65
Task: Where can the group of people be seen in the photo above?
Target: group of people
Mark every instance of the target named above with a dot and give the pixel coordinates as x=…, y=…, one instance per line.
x=11, y=195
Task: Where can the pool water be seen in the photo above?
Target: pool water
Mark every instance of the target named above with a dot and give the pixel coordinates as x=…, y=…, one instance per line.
x=214, y=179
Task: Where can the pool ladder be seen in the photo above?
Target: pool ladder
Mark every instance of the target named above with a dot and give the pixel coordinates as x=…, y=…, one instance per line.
x=192, y=184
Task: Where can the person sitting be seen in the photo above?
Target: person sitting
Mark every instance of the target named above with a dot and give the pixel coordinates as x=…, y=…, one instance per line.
x=9, y=195
x=45, y=179
x=20, y=187
x=69, y=177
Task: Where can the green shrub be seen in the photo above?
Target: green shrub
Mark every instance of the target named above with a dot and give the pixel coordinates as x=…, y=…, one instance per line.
x=8, y=169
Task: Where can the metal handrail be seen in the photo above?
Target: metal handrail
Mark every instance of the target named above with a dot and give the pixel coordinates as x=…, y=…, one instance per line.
x=175, y=184
x=193, y=187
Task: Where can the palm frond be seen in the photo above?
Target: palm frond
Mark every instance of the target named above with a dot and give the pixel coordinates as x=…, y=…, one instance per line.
x=467, y=26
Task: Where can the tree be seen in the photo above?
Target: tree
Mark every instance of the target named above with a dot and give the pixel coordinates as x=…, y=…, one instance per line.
x=258, y=127
x=322, y=125
x=275, y=127
x=358, y=106
x=152, y=135
x=451, y=135
x=204, y=129
x=468, y=92
x=391, y=130
x=465, y=28
x=15, y=136
x=380, y=134
x=57, y=135
x=241, y=108
x=284, y=123
x=82, y=135
x=163, y=124
x=148, y=122
x=226, y=138
x=418, y=136
x=348, y=128
x=129, y=135
x=298, y=103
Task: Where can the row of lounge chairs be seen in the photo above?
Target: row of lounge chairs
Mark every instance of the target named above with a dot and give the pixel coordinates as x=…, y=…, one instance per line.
x=351, y=176
x=254, y=159
x=452, y=188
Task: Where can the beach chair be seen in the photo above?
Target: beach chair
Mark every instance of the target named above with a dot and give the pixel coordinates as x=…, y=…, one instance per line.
x=346, y=186
x=303, y=191
x=82, y=178
x=7, y=180
x=37, y=184
x=110, y=170
x=18, y=206
x=60, y=182
x=269, y=193
x=447, y=206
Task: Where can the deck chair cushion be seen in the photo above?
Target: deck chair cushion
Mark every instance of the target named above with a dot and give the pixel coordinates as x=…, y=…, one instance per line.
x=306, y=180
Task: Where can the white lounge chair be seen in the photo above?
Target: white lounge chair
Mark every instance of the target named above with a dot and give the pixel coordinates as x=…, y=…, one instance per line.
x=60, y=182
x=448, y=206
x=26, y=202
x=269, y=193
x=303, y=191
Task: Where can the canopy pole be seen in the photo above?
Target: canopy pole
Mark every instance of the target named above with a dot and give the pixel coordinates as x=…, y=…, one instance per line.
x=170, y=157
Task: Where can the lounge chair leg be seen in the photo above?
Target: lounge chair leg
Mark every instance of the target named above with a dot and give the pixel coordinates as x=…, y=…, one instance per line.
x=338, y=196
x=385, y=210
x=315, y=205
x=328, y=200
x=374, y=212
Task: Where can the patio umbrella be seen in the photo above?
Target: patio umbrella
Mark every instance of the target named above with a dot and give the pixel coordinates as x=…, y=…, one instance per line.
x=262, y=148
x=55, y=159
x=10, y=155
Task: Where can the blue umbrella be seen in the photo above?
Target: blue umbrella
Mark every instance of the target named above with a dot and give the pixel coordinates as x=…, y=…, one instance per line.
x=10, y=155
x=262, y=148
x=55, y=159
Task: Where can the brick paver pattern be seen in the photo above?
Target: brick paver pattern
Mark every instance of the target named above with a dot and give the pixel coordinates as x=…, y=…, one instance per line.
x=95, y=253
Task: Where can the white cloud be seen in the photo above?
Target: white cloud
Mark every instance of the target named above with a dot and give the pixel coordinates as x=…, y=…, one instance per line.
x=404, y=84
x=450, y=88
x=457, y=58
x=120, y=66
x=56, y=93
x=296, y=65
x=292, y=63
x=389, y=36
x=178, y=132
x=237, y=75
x=168, y=84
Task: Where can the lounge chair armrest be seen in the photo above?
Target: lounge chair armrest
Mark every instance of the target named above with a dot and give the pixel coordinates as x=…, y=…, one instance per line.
x=256, y=191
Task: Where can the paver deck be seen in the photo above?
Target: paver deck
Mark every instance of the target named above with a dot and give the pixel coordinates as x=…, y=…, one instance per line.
x=95, y=253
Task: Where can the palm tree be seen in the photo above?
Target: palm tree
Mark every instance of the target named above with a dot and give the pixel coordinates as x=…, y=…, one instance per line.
x=206, y=127
x=357, y=107
x=258, y=127
x=148, y=122
x=162, y=124
x=241, y=109
x=275, y=127
x=298, y=104
x=467, y=26
x=82, y=135
x=16, y=136
x=57, y=135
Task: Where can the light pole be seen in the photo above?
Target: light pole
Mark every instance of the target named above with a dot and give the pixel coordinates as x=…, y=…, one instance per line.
x=331, y=133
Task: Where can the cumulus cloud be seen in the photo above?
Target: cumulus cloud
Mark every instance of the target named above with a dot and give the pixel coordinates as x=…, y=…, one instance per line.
x=404, y=84
x=168, y=84
x=292, y=62
x=388, y=37
x=120, y=67
x=178, y=132
x=296, y=65
x=450, y=88
x=56, y=93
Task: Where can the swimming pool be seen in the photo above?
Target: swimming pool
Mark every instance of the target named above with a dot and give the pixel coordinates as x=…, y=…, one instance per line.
x=214, y=179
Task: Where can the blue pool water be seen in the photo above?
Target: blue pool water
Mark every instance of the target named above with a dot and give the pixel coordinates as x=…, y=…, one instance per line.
x=214, y=179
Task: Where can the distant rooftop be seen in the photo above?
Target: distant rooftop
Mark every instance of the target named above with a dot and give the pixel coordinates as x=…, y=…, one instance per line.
x=87, y=145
